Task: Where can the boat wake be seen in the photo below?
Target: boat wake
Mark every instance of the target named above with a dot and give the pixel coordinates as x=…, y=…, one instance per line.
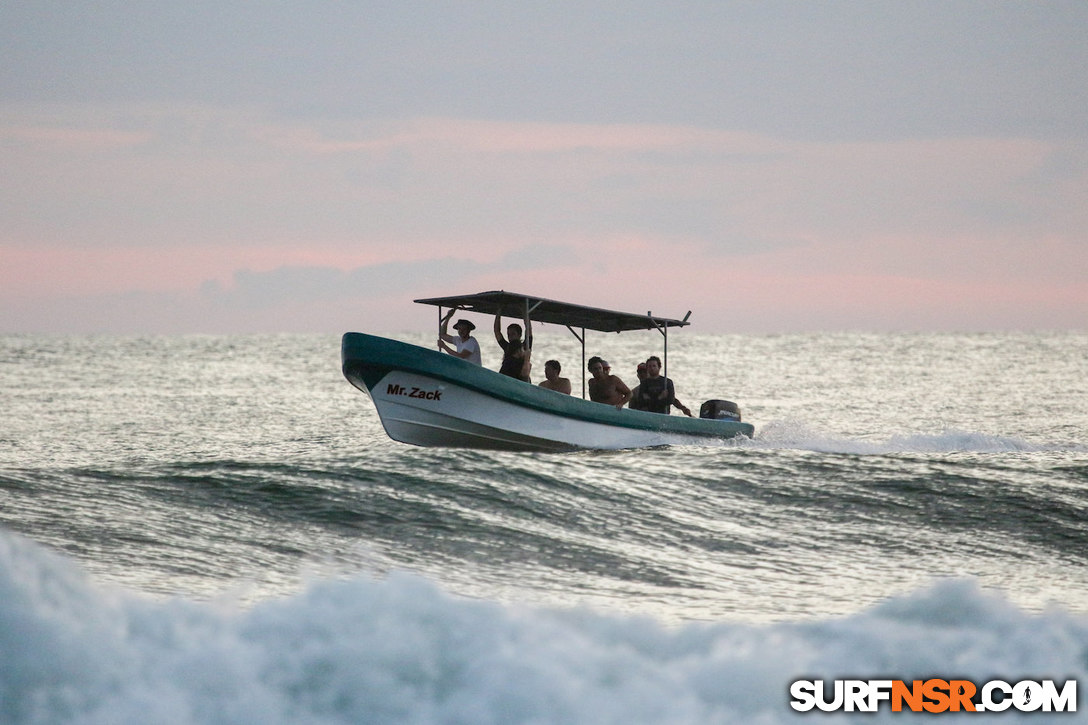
x=782, y=435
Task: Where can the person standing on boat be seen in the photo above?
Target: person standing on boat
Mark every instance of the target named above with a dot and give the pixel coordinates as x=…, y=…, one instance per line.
x=466, y=346
x=552, y=381
x=636, y=397
x=656, y=393
x=605, y=387
x=515, y=351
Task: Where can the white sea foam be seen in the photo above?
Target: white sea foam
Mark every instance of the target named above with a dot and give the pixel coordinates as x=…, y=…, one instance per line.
x=795, y=435
x=399, y=650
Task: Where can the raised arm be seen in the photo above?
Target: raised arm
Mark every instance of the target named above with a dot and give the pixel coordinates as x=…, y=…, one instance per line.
x=498, y=330
x=528, y=331
x=443, y=329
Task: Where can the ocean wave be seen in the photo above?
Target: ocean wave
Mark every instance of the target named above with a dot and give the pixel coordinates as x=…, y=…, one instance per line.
x=398, y=649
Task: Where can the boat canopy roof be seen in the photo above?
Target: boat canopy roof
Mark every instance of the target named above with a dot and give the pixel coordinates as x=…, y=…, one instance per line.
x=513, y=304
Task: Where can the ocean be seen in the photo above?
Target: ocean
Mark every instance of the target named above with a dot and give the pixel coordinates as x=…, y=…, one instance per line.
x=216, y=529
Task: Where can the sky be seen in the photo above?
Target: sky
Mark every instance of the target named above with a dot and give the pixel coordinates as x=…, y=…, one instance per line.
x=774, y=167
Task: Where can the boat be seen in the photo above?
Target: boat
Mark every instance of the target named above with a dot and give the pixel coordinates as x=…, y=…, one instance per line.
x=426, y=397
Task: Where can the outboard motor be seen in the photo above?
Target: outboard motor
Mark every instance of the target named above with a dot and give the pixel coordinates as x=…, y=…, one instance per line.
x=719, y=410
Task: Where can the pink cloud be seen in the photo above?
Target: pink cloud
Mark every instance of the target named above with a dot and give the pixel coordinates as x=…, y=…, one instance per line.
x=745, y=229
x=36, y=272
x=480, y=136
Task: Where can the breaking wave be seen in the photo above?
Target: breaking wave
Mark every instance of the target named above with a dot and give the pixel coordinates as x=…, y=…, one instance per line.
x=398, y=649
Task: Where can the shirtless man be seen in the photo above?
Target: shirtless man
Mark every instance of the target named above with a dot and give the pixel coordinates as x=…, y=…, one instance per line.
x=604, y=387
x=552, y=381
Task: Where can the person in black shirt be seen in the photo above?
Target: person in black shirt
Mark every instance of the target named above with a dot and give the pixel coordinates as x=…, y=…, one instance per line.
x=515, y=351
x=656, y=393
x=636, y=399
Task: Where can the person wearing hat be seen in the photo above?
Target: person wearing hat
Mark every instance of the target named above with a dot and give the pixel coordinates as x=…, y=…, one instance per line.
x=466, y=346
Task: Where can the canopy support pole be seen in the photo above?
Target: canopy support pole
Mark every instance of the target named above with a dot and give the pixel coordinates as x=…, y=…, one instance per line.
x=552, y=312
x=582, y=340
x=664, y=330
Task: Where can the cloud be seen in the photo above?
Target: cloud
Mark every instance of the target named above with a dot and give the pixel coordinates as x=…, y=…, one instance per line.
x=157, y=199
x=793, y=69
x=303, y=284
x=242, y=178
x=540, y=257
x=289, y=285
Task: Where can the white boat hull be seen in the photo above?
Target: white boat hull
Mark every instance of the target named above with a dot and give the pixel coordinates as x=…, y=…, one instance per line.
x=466, y=419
